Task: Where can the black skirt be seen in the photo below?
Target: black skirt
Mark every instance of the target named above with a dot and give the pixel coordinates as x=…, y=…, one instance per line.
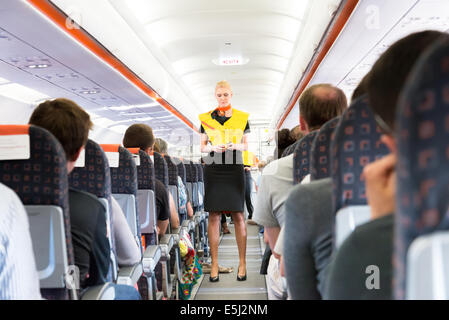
x=224, y=186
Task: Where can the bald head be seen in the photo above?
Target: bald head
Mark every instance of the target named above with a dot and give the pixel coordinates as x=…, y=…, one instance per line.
x=321, y=103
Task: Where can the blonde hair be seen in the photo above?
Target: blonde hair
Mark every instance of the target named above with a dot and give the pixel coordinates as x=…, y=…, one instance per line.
x=223, y=84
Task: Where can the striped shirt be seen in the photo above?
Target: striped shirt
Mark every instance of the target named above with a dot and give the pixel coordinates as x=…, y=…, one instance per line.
x=19, y=279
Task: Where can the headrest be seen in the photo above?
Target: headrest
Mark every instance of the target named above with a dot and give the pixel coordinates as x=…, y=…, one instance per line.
x=124, y=171
x=301, y=157
x=94, y=177
x=356, y=143
x=320, y=154
x=422, y=197
x=172, y=171
x=145, y=172
x=181, y=169
x=160, y=168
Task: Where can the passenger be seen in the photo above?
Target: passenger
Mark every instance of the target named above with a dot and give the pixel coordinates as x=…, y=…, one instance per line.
x=140, y=135
x=70, y=124
x=296, y=134
x=160, y=146
x=372, y=243
x=318, y=104
x=184, y=204
x=224, y=178
x=19, y=279
x=283, y=141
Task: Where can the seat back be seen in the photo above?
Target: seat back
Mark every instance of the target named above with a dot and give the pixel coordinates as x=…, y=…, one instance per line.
x=172, y=180
x=93, y=175
x=201, y=184
x=146, y=197
x=124, y=184
x=160, y=169
x=356, y=144
x=189, y=181
x=301, y=157
x=194, y=185
x=320, y=160
x=423, y=179
x=36, y=170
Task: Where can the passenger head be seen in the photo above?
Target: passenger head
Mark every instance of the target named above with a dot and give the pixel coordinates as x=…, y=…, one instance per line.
x=68, y=122
x=283, y=140
x=223, y=93
x=160, y=146
x=261, y=165
x=319, y=104
x=389, y=73
x=139, y=135
x=296, y=133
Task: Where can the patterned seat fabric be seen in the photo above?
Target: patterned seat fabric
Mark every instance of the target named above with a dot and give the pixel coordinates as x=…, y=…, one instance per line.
x=290, y=149
x=172, y=171
x=189, y=174
x=42, y=180
x=160, y=168
x=301, y=157
x=356, y=143
x=95, y=176
x=194, y=172
x=320, y=153
x=423, y=157
x=124, y=178
x=145, y=172
x=181, y=169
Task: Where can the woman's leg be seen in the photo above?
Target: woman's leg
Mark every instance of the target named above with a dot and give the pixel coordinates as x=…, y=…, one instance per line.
x=240, y=237
x=213, y=231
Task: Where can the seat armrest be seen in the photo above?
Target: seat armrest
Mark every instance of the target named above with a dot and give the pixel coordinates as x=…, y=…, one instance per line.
x=151, y=257
x=104, y=291
x=130, y=275
x=166, y=243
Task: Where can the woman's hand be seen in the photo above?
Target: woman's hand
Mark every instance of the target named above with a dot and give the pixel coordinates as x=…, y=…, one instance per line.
x=219, y=148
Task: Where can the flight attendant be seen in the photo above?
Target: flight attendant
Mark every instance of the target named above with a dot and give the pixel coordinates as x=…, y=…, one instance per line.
x=224, y=178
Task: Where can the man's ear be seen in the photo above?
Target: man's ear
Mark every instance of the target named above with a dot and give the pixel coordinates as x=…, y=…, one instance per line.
x=390, y=142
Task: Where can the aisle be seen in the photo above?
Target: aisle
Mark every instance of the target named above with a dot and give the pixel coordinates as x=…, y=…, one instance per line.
x=228, y=288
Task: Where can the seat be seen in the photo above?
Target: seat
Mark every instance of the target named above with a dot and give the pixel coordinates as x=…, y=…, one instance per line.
x=204, y=220
x=92, y=175
x=36, y=170
x=124, y=189
x=168, y=240
x=356, y=144
x=320, y=162
x=182, y=174
x=296, y=265
x=189, y=224
x=301, y=157
x=172, y=180
x=421, y=238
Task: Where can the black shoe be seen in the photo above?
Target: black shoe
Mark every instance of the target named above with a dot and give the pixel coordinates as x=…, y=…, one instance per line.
x=214, y=279
x=241, y=278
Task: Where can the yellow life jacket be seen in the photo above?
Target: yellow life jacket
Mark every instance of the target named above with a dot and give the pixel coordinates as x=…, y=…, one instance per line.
x=248, y=158
x=230, y=132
